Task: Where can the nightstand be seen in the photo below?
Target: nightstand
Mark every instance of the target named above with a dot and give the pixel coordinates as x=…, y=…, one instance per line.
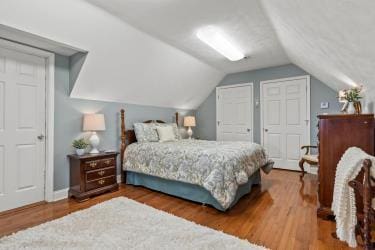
x=92, y=174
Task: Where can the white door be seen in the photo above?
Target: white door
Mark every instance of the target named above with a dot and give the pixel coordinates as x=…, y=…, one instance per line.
x=286, y=115
x=235, y=113
x=22, y=121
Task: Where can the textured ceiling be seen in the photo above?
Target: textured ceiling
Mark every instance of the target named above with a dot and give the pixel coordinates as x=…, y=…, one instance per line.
x=176, y=22
x=146, y=51
x=332, y=40
x=123, y=64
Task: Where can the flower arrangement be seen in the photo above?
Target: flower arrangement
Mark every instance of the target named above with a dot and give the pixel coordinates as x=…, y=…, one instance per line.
x=352, y=97
x=353, y=94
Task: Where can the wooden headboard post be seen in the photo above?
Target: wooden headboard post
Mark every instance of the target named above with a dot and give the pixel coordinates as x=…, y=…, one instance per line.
x=123, y=144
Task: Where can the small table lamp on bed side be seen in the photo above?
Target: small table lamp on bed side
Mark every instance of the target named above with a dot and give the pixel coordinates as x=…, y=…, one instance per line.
x=93, y=123
x=189, y=121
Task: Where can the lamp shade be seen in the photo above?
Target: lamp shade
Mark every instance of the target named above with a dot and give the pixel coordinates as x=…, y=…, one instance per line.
x=189, y=121
x=93, y=122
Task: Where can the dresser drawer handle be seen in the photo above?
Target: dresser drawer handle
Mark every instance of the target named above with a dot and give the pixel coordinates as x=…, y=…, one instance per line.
x=93, y=164
x=101, y=173
x=101, y=182
x=107, y=162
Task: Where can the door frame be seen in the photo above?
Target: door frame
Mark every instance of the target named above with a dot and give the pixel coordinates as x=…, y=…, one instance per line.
x=252, y=106
x=50, y=97
x=308, y=112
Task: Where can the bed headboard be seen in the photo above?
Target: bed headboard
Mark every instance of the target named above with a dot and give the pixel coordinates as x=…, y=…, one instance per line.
x=128, y=136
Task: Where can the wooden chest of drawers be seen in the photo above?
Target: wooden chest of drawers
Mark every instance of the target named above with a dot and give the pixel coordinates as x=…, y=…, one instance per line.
x=92, y=174
x=337, y=133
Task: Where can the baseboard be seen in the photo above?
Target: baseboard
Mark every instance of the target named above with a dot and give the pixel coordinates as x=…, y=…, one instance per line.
x=60, y=194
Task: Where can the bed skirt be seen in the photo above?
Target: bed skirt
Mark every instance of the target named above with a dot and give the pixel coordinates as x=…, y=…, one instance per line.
x=186, y=190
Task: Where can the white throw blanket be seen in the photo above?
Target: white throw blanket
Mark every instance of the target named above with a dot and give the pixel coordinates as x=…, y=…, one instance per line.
x=343, y=205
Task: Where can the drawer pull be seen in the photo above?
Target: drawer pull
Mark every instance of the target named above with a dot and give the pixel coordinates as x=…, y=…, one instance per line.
x=107, y=162
x=101, y=182
x=93, y=164
x=101, y=173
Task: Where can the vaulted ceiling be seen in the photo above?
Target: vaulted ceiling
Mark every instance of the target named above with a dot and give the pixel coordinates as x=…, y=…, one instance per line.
x=146, y=51
x=177, y=21
x=333, y=40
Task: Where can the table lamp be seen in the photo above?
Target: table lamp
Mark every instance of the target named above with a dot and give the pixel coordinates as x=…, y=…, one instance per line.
x=93, y=123
x=189, y=121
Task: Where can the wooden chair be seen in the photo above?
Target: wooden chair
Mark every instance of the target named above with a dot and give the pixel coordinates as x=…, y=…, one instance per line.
x=309, y=158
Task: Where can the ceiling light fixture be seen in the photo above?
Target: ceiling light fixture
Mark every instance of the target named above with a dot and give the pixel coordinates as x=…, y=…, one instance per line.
x=216, y=40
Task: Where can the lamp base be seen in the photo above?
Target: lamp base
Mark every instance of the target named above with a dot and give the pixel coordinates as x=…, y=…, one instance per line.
x=190, y=132
x=94, y=141
x=94, y=151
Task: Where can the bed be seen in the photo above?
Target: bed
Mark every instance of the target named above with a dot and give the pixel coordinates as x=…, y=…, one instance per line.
x=208, y=172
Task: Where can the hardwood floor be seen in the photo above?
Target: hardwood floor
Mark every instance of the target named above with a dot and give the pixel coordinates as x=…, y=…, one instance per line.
x=281, y=214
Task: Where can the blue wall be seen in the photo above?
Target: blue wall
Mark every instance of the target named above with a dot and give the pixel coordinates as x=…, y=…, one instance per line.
x=68, y=112
x=320, y=92
x=68, y=120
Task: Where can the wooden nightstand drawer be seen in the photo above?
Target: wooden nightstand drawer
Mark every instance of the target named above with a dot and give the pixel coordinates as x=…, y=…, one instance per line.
x=108, y=162
x=92, y=174
x=100, y=183
x=100, y=173
x=95, y=164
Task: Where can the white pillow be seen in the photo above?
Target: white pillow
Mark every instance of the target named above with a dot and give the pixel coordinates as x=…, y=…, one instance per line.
x=175, y=129
x=166, y=133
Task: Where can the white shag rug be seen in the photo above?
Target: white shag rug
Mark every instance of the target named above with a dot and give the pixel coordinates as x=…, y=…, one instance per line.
x=122, y=223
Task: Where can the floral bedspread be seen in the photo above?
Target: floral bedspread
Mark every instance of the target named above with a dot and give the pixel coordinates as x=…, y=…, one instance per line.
x=219, y=167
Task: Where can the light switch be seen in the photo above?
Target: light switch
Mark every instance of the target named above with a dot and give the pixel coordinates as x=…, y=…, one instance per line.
x=324, y=105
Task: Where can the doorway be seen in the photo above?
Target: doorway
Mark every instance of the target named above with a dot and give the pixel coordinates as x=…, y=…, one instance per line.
x=234, y=112
x=285, y=119
x=26, y=120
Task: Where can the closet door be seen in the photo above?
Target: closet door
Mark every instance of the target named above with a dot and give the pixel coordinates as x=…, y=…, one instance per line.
x=235, y=113
x=286, y=116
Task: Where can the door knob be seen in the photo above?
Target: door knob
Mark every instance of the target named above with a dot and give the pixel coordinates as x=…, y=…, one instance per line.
x=40, y=137
x=265, y=130
x=248, y=130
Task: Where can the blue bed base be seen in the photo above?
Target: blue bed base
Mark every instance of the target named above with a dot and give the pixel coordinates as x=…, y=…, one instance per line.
x=186, y=190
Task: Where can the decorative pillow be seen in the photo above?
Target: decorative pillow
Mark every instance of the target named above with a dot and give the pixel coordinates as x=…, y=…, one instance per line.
x=166, y=133
x=175, y=129
x=145, y=132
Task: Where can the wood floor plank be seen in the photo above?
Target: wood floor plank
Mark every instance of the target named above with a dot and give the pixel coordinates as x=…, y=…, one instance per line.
x=279, y=214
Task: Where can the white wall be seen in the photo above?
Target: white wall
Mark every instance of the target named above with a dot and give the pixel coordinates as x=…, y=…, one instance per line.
x=332, y=40
x=123, y=64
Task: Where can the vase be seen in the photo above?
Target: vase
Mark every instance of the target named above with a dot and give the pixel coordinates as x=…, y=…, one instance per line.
x=80, y=151
x=366, y=109
x=351, y=109
x=357, y=107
